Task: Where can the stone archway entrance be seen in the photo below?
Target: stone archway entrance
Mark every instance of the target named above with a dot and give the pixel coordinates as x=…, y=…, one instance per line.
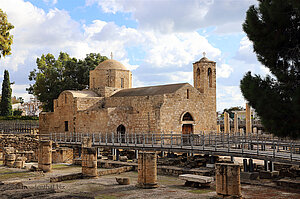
x=121, y=130
x=187, y=127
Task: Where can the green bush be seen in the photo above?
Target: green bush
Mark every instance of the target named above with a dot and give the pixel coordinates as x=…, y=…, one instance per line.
x=18, y=117
x=17, y=112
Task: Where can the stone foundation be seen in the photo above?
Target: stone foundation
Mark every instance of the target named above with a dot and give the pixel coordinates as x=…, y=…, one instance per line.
x=147, y=170
x=62, y=155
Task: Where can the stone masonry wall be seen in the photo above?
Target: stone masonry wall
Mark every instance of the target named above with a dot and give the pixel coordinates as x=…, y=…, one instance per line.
x=23, y=144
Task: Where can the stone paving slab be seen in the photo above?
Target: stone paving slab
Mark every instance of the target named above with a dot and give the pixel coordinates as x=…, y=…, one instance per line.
x=196, y=178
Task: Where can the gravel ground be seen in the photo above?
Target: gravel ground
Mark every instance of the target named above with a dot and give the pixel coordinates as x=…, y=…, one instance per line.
x=106, y=187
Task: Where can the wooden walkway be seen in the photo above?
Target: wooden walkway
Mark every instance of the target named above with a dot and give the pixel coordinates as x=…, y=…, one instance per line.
x=256, y=146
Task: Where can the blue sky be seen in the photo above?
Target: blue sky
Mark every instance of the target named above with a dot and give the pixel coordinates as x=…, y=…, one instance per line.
x=157, y=39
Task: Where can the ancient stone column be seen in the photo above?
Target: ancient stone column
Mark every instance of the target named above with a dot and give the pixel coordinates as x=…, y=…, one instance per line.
x=226, y=123
x=255, y=130
x=228, y=180
x=248, y=119
x=218, y=128
x=10, y=160
x=236, y=123
x=45, y=155
x=89, y=162
x=6, y=152
x=241, y=130
x=147, y=170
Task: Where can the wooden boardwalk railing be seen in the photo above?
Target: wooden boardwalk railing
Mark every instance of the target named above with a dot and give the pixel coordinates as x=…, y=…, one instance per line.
x=257, y=146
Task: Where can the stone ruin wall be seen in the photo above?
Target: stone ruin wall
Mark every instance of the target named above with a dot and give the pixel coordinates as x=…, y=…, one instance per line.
x=25, y=145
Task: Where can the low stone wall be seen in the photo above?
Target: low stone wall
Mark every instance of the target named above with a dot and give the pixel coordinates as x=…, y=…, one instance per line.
x=115, y=170
x=72, y=176
x=176, y=171
x=75, y=176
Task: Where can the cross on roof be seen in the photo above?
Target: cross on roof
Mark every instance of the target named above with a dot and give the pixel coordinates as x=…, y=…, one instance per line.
x=111, y=55
x=204, y=54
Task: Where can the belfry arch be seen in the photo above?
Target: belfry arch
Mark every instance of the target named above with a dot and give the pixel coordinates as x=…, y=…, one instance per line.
x=198, y=78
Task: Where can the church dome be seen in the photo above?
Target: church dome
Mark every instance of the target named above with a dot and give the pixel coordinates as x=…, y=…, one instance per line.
x=111, y=64
x=204, y=59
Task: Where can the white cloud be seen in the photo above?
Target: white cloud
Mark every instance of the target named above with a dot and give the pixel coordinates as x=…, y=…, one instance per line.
x=52, y=2
x=245, y=52
x=229, y=96
x=180, y=76
x=177, y=49
x=37, y=32
x=224, y=71
x=180, y=16
x=162, y=50
x=246, y=60
x=19, y=90
x=129, y=66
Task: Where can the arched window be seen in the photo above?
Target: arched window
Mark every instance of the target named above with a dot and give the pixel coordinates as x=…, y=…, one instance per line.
x=187, y=117
x=209, y=75
x=198, y=78
x=187, y=94
x=66, y=99
x=121, y=133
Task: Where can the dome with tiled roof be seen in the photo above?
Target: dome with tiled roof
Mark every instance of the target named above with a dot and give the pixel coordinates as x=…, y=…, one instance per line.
x=111, y=64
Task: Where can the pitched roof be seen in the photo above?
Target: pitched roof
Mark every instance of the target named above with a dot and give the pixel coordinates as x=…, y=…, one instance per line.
x=151, y=90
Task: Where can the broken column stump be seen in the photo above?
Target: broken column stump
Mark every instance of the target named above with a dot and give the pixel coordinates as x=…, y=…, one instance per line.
x=10, y=160
x=147, y=170
x=89, y=162
x=45, y=155
x=228, y=182
x=6, y=152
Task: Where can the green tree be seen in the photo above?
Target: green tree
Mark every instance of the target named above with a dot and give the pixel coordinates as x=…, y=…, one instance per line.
x=231, y=110
x=53, y=76
x=274, y=29
x=5, y=38
x=5, y=104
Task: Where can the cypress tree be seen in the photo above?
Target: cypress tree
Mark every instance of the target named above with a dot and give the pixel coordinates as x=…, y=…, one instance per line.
x=5, y=104
x=274, y=29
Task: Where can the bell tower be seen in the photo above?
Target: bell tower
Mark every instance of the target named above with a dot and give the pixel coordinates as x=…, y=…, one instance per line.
x=204, y=72
x=205, y=82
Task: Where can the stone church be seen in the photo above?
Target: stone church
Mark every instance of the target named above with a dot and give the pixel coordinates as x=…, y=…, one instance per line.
x=112, y=105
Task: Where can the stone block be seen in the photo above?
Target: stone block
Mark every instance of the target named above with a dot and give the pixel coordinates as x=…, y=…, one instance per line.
x=228, y=180
x=295, y=184
x=123, y=158
x=249, y=175
x=268, y=174
x=19, y=164
x=123, y=181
